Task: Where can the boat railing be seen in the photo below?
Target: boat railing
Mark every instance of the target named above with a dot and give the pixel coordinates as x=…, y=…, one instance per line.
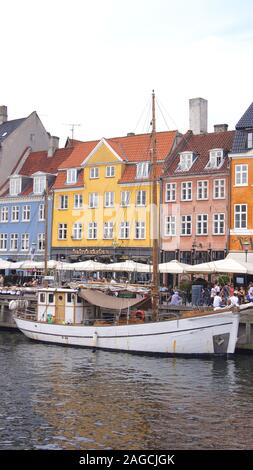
x=27, y=314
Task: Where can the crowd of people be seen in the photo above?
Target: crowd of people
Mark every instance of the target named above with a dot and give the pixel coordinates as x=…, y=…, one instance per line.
x=220, y=296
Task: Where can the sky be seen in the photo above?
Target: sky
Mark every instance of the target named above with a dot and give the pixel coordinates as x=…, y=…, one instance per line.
x=94, y=63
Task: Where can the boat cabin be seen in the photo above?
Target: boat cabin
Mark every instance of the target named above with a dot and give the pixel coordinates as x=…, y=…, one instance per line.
x=82, y=306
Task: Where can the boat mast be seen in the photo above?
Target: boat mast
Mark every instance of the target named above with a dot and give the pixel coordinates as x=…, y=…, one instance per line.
x=154, y=218
x=46, y=228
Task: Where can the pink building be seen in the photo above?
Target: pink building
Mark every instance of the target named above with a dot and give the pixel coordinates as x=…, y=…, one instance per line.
x=195, y=208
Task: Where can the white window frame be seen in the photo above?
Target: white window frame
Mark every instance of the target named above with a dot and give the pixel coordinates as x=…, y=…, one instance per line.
x=185, y=162
x=141, y=198
x=93, y=200
x=14, y=242
x=15, y=186
x=15, y=213
x=26, y=213
x=219, y=222
x=186, y=186
x=124, y=231
x=186, y=223
x=39, y=184
x=216, y=159
x=3, y=241
x=64, y=202
x=109, y=199
x=140, y=230
x=202, y=190
x=110, y=171
x=220, y=186
x=25, y=242
x=62, y=231
x=94, y=172
x=241, y=174
x=170, y=225
x=71, y=176
x=92, y=231
x=41, y=212
x=4, y=214
x=78, y=201
x=202, y=224
x=125, y=198
x=142, y=170
x=77, y=231
x=108, y=231
x=171, y=192
x=250, y=140
x=241, y=213
x=41, y=242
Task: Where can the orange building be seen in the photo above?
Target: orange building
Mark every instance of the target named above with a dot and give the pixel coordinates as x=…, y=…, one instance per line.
x=241, y=200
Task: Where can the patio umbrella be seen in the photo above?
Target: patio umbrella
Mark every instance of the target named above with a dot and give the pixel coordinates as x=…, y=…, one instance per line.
x=173, y=267
x=129, y=266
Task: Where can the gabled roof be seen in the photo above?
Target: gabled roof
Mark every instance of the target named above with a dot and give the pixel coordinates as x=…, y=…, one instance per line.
x=200, y=145
x=40, y=162
x=8, y=127
x=129, y=175
x=134, y=148
x=246, y=120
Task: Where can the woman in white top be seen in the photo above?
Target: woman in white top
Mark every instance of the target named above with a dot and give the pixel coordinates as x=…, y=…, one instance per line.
x=217, y=301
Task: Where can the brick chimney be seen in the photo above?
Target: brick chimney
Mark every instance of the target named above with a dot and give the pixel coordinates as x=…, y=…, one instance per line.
x=198, y=115
x=220, y=127
x=3, y=114
x=53, y=145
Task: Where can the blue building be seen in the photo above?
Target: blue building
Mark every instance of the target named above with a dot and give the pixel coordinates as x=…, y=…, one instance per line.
x=22, y=207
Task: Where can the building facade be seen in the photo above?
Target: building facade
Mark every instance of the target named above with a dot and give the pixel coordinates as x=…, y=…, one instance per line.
x=22, y=207
x=18, y=138
x=241, y=218
x=195, y=209
x=102, y=199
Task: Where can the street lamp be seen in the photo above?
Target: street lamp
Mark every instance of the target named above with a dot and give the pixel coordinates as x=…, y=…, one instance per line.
x=245, y=246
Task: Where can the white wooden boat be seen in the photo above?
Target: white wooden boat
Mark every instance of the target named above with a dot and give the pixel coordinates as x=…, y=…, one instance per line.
x=88, y=319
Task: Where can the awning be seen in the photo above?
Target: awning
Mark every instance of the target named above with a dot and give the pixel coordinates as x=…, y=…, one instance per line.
x=100, y=299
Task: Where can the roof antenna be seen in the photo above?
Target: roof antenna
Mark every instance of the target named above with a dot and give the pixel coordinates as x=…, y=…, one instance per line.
x=72, y=128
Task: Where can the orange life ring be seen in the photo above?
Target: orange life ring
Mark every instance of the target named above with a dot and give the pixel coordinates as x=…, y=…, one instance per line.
x=140, y=314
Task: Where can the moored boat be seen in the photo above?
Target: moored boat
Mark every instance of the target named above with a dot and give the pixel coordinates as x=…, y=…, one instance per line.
x=95, y=320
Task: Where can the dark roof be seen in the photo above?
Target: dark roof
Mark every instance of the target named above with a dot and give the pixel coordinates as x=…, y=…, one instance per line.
x=245, y=123
x=8, y=127
x=246, y=120
x=200, y=145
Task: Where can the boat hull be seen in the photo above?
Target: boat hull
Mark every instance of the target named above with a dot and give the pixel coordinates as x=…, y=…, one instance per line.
x=207, y=334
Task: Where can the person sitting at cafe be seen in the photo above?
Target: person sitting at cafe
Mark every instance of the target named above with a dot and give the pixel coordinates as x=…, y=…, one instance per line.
x=176, y=299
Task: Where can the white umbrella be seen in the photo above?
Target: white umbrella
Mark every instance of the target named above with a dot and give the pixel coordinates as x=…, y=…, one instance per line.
x=129, y=266
x=88, y=265
x=5, y=264
x=173, y=267
x=222, y=266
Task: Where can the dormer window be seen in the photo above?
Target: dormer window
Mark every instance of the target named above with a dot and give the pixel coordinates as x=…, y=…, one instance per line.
x=71, y=175
x=39, y=184
x=142, y=170
x=216, y=158
x=250, y=140
x=15, y=186
x=186, y=161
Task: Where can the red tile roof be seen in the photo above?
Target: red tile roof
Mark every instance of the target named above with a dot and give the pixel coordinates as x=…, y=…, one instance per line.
x=39, y=161
x=61, y=178
x=134, y=148
x=200, y=145
x=129, y=175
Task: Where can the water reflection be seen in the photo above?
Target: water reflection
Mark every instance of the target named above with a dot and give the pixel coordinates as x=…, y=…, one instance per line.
x=64, y=398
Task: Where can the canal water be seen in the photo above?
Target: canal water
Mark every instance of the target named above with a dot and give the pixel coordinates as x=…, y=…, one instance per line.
x=54, y=397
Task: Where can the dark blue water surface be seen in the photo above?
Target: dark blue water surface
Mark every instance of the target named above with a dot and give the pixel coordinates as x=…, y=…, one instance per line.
x=54, y=397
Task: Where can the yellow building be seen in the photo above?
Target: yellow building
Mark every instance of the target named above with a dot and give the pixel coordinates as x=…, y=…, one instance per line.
x=241, y=207
x=102, y=198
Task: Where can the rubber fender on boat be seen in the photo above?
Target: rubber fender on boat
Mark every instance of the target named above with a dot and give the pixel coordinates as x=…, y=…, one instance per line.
x=13, y=305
